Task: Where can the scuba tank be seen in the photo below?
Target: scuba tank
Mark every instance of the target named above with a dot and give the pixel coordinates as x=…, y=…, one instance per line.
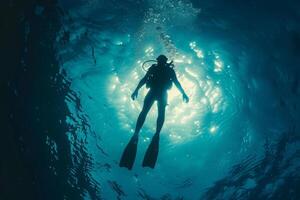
x=150, y=79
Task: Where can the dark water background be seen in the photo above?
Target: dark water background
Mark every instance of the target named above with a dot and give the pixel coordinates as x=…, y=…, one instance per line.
x=64, y=127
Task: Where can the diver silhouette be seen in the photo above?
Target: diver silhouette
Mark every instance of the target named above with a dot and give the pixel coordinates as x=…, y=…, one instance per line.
x=159, y=79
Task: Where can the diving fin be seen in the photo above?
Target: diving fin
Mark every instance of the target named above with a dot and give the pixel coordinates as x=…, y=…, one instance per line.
x=152, y=152
x=129, y=153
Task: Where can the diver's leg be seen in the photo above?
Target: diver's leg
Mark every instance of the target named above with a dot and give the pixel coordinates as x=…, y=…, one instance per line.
x=129, y=153
x=148, y=102
x=161, y=107
x=152, y=151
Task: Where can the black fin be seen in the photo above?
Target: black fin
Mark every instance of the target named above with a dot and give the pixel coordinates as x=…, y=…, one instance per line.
x=129, y=153
x=152, y=152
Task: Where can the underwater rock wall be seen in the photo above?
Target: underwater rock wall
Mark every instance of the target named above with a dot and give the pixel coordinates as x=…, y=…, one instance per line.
x=38, y=161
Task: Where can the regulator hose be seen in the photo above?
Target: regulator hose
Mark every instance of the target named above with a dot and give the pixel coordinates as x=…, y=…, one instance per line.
x=170, y=64
x=143, y=65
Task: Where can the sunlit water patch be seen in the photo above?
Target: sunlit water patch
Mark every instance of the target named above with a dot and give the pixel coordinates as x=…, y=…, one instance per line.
x=183, y=120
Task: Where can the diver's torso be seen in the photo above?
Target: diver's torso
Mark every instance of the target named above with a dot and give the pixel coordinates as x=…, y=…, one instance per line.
x=160, y=78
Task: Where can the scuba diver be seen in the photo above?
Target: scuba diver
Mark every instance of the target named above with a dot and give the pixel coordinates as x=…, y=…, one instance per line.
x=158, y=79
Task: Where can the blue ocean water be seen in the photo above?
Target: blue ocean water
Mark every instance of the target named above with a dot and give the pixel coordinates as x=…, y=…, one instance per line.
x=237, y=138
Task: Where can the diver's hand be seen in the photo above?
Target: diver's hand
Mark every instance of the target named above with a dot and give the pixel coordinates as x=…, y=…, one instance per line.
x=134, y=95
x=185, y=98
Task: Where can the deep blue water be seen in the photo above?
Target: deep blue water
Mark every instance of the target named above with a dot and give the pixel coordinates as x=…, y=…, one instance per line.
x=238, y=62
x=237, y=138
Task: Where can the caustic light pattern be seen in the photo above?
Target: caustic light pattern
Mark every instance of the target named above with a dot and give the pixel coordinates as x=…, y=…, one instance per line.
x=183, y=121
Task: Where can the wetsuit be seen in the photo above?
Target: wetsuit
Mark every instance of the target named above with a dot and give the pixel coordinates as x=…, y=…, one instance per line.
x=159, y=80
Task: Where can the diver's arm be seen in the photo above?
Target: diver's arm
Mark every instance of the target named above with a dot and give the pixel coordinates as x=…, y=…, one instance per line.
x=179, y=87
x=141, y=83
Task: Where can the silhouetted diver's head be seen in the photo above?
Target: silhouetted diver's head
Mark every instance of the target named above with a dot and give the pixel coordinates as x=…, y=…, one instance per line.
x=161, y=59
